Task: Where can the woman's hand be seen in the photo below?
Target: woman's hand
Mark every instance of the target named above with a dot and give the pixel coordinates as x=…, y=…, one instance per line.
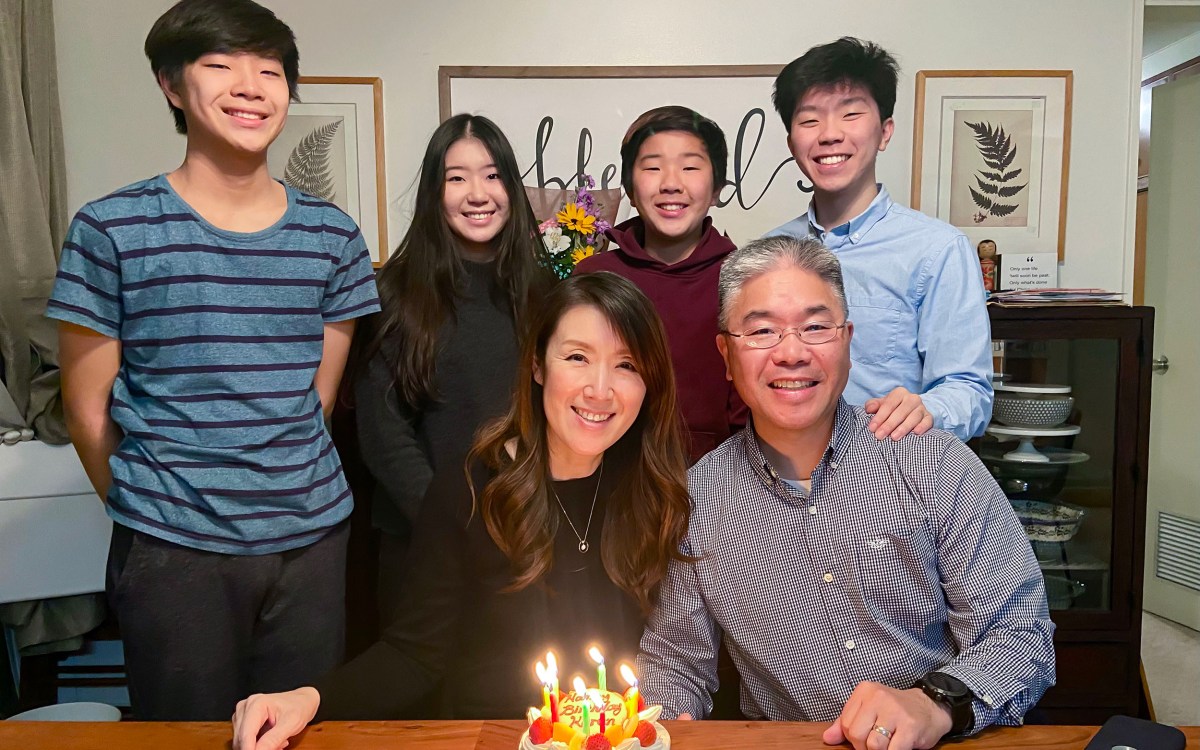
x=276, y=716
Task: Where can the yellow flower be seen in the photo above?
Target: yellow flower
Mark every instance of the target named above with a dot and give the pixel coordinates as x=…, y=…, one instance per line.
x=582, y=252
x=575, y=219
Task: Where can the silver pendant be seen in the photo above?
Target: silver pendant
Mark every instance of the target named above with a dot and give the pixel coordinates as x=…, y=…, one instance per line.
x=583, y=545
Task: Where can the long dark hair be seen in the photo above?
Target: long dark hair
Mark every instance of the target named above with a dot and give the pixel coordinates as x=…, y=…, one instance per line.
x=419, y=284
x=648, y=509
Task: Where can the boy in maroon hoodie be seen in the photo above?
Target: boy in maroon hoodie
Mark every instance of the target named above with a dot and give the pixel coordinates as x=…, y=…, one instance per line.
x=672, y=167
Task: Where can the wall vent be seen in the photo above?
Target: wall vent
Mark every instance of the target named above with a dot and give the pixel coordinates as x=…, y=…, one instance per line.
x=1178, y=550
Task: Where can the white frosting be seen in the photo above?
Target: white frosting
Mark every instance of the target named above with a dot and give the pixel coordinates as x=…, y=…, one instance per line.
x=662, y=742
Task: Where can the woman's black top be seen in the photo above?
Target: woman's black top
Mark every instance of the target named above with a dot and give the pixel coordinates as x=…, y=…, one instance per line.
x=458, y=631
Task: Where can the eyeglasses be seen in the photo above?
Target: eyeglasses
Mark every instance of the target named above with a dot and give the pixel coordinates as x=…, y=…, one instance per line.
x=765, y=337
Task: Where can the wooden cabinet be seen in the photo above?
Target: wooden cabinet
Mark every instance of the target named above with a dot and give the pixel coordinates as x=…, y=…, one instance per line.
x=1104, y=354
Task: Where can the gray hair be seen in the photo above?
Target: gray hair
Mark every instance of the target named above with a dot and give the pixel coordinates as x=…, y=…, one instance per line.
x=773, y=253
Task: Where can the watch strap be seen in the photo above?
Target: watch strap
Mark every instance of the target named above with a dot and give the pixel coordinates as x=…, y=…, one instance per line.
x=962, y=715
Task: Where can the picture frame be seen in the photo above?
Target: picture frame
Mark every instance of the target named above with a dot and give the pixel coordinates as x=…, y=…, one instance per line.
x=564, y=120
x=332, y=147
x=991, y=155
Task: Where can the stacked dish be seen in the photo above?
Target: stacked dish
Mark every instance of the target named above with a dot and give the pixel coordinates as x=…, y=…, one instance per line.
x=1048, y=522
x=1032, y=475
x=1019, y=411
x=1026, y=411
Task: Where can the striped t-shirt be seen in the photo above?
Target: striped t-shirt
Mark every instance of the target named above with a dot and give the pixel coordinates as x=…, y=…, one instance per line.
x=225, y=447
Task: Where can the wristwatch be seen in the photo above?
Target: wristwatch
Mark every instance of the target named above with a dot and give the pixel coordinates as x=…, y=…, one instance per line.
x=952, y=693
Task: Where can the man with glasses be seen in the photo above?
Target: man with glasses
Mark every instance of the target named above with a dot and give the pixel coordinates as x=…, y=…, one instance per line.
x=885, y=586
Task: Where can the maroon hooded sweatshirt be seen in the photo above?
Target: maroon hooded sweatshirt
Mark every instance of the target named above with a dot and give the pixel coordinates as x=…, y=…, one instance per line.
x=685, y=295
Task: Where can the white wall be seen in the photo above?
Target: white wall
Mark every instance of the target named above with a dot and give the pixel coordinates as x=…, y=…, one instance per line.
x=117, y=129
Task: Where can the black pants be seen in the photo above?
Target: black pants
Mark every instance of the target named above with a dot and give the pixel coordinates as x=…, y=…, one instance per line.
x=393, y=568
x=393, y=559
x=202, y=630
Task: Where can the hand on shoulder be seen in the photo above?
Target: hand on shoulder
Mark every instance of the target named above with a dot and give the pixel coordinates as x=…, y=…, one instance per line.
x=277, y=717
x=897, y=414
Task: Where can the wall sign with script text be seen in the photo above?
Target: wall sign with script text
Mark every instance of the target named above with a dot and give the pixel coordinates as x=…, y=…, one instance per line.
x=564, y=121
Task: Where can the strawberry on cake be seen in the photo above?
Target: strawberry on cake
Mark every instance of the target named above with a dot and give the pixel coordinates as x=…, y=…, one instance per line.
x=610, y=725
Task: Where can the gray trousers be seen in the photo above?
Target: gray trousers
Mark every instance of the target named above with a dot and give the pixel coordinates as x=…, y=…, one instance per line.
x=202, y=630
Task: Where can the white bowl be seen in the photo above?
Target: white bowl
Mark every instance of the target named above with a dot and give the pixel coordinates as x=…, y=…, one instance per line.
x=1048, y=522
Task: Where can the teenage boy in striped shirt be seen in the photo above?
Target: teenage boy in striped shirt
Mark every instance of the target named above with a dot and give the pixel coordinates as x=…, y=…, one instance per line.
x=205, y=318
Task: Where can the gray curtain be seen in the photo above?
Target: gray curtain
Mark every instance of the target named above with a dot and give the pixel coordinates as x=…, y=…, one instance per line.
x=33, y=218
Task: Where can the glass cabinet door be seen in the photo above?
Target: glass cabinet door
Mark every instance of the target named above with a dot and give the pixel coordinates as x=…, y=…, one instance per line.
x=1055, y=448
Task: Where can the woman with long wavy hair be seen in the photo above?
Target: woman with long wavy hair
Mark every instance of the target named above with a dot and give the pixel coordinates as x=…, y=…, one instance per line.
x=557, y=536
x=456, y=292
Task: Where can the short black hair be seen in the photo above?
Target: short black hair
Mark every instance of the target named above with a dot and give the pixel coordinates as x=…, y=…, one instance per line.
x=666, y=119
x=848, y=61
x=194, y=28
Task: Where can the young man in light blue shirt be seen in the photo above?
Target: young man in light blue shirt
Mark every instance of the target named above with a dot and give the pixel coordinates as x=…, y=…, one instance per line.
x=921, y=351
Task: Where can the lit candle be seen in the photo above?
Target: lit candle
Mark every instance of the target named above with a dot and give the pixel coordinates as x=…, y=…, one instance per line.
x=552, y=669
x=601, y=677
x=599, y=701
x=544, y=678
x=581, y=692
x=631, y=695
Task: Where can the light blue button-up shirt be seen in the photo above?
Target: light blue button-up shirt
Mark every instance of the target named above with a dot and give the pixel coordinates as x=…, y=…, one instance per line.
x=917, y=302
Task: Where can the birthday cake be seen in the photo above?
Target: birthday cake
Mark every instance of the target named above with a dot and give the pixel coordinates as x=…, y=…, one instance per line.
x=592, y=719
x=595, y=720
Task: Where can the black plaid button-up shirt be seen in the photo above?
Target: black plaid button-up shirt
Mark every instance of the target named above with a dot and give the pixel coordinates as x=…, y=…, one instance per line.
x=903, y=559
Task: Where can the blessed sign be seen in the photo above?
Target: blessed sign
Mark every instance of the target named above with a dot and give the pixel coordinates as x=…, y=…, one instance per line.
x=567, y=121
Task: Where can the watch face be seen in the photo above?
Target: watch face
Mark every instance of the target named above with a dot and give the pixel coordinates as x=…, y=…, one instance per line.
x=951, y=686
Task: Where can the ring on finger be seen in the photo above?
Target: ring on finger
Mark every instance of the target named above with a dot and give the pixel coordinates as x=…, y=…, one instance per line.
x=884, y=731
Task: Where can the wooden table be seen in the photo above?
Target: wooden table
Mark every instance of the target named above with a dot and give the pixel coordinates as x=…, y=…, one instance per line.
x=492, y=735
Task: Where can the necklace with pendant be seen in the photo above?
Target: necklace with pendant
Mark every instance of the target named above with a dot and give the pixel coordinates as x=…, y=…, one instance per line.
x=583, y=542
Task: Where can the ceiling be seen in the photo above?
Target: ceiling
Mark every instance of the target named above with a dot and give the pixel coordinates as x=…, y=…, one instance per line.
x=1166, y=24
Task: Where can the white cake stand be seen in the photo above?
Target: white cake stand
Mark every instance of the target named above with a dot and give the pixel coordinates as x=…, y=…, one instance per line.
x=1025, y=450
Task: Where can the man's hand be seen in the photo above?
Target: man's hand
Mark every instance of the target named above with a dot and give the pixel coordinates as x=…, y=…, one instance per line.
x=897, y=414
x=912, y=719
x=282, y=715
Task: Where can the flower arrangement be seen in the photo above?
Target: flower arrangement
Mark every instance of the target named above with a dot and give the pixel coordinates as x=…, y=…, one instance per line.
x=576, y=231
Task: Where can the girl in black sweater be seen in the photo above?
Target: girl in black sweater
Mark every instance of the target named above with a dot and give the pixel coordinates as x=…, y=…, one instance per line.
x=556, y=536
x=455, y=294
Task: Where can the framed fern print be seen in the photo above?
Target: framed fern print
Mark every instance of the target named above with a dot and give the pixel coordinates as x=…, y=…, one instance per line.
x=991, y=150
x=332, y=147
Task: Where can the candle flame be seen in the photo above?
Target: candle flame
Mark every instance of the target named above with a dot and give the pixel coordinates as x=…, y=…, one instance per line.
x=597, y=699
x=596, y=655
x=578, y=684
x=542, y=675
x=551, y=663
x=628, y=676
